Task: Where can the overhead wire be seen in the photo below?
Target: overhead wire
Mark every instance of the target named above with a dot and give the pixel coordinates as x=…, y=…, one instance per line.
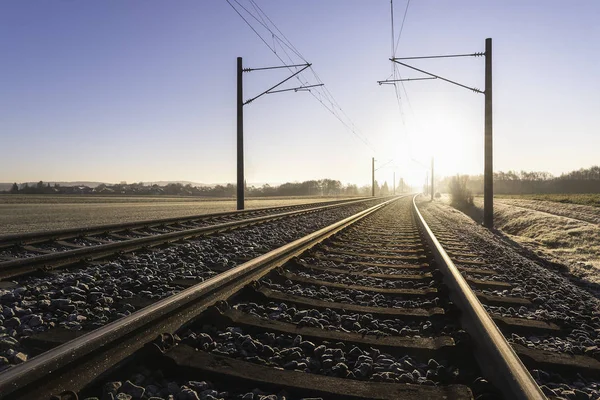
x=278, y=30
x=322, y=94
x=328, y=96
x=396, y=74
x=255, y=6
x=401, y=27
x=248, y=23
x=317, y=95
x=263, y=25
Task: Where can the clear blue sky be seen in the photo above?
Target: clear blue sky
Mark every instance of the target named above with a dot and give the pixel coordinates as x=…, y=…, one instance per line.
x=135, y=90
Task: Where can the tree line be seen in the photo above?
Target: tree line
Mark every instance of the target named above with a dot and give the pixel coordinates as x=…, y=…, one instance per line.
x=321, y=187
x=584, y=180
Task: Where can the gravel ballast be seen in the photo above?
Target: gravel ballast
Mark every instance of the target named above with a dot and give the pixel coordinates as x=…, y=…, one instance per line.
x=89, y=297
x=554, y=298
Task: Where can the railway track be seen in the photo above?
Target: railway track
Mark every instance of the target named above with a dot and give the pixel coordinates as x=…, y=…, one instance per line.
x=555, y=328
x=369, y=307
x=25, y=253
x=60, y=304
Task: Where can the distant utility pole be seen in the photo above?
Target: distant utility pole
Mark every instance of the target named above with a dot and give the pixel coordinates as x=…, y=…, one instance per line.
x=240, y=116
x=432, y=184
x=394, y=183
x=373, y=176
x=488, y=172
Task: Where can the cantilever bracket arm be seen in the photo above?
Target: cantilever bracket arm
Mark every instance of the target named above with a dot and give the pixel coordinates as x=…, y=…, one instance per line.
x=268, y=91
x=391, y=81
x=296, y=89
x=437, y=76
x=277, y=67
x=479, y=54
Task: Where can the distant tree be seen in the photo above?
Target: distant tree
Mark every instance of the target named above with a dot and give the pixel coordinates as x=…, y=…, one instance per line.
x=330, y=187
x=376, y=188
x=14, y=188
x=173, y=188
x=40, y=185
x=351, y=190
x=401, y=185
x=461, y=196
x=385, y=190
x=311, y=187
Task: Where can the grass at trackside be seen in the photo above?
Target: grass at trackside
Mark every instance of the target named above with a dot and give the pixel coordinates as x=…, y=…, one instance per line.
x=583, y=199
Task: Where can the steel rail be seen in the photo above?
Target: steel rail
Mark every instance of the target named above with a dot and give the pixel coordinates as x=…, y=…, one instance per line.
x=22, y=266
x=109, y=345
x=496, y=356
x=68, y=233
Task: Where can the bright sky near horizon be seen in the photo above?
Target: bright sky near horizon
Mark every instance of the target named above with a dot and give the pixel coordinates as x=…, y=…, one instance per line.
x=137, y=90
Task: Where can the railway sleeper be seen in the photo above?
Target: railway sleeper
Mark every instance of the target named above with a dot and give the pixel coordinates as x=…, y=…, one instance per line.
x=563, y=363
x=347, y=246
x=475, y=283
x=429, y=292
x=369, y=240
x=183, y=360
x=423, y=347
x=322, y=257
x=379, y=245
x=266, y=294
x=305, y=265
x=415, y=258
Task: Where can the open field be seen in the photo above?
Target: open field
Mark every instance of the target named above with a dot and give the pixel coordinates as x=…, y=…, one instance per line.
x=574, y=211
x=29, y=213
x=583, y=199
x=568, y=234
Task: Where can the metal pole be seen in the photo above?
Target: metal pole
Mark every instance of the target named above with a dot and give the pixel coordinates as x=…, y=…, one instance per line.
x=240, y=137
x=373, y=176
x=432, y=186
x=488, y=173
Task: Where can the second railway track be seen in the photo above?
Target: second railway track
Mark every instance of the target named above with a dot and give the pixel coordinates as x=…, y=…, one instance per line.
x=25, y=253
x=370, y=307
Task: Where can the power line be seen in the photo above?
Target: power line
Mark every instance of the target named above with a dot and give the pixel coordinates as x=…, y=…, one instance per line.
x=321, y=96
x=397, y=76
x=264, y=26
x=261, y=18
x=401, y=27
x=327, y=94
x=248, y=23
x=293, y=48
x=392, y=18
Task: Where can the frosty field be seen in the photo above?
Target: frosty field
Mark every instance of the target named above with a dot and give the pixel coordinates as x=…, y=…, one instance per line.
x=30, y=213
x=587, y=199
x=561, y=232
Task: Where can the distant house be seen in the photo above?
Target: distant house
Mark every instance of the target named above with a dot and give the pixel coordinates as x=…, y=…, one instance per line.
x=83, y=190
x=156, y=190
x=104, y=190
